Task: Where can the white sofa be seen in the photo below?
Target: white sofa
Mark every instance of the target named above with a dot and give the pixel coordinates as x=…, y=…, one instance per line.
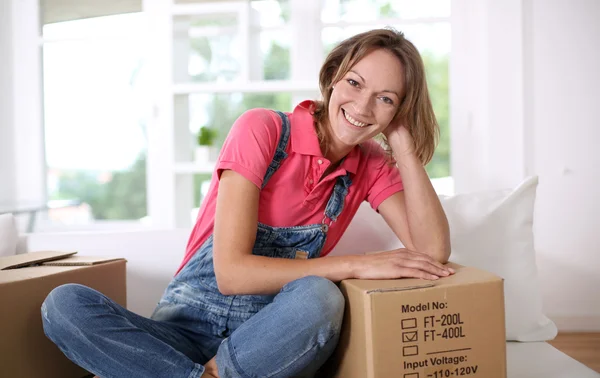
x=153, y=257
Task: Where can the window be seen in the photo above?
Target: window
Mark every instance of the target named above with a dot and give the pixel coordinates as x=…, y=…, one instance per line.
x=94, y=120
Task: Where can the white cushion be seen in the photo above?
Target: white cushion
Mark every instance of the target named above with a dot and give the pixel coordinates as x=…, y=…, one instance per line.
x=8, y=235
x=490, y=230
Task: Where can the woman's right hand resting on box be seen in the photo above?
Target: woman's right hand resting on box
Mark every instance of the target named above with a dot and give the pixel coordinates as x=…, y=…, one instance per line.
x=398, y=263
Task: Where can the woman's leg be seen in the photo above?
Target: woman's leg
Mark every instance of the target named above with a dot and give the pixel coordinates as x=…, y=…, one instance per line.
x=291, y=337
x=110, y=341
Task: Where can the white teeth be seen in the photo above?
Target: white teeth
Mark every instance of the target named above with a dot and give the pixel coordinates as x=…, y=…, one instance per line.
x=353, y=121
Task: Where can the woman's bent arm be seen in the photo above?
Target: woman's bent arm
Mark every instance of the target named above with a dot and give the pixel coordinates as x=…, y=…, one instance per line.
x=238, y=271
x=416, y=214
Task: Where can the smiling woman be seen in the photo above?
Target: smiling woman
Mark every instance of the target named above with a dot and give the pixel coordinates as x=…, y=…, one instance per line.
x=280, y=200
x=361, y=109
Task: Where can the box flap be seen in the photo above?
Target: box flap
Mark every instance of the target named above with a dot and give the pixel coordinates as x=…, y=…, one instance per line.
x=80, y=261
x=26, y=259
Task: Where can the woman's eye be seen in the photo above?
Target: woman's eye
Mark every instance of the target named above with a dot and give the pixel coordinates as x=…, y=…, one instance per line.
x=387, y=100
x=354, y=83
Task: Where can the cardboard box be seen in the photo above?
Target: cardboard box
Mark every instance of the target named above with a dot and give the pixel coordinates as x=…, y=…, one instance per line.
x=25, y=281
x=410, y=328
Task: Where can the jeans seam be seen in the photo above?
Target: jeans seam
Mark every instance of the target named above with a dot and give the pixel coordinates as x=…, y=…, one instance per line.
x=234, y=360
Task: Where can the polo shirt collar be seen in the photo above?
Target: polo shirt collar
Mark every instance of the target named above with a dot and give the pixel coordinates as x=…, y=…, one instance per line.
x=304, y=136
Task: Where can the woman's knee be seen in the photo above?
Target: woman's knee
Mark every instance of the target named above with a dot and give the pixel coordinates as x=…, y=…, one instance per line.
x=64, y=305
x=323, y=301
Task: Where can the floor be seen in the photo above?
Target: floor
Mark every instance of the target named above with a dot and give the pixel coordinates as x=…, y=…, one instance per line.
x=584, y=347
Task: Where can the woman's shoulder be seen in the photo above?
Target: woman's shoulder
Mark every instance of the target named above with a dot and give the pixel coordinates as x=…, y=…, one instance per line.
x=257, y=122
x=255, y=129
x=259, y=117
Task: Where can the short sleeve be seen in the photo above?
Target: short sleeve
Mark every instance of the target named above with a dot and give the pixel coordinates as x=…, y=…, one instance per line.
x=385, y=177
x=250, y=145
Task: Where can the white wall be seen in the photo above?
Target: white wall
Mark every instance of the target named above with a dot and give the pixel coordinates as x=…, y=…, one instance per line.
x=525, y=100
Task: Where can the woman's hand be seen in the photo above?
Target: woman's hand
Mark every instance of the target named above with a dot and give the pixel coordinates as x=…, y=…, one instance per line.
x=399, y=138
x=399, y=263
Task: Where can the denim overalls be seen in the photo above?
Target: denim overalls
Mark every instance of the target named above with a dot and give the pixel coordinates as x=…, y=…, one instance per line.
x=296, y=331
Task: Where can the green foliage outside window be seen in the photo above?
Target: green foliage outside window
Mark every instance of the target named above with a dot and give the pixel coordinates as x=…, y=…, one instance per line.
x=437, y=82
x=206, y=136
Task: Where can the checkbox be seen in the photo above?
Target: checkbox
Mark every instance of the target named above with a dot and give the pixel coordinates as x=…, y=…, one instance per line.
x=409, y=323
x=409, y=337
x=410, y=351
x=411, y=375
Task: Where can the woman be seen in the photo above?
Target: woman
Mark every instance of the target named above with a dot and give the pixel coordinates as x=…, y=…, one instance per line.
x=255, y=294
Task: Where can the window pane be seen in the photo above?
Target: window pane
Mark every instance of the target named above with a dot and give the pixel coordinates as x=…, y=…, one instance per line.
x=119, y=25
x=272, y=13
x=94, y=123
x=433, y=42
x=214, y=48
x=275, y=49
x=371, y=10
x=216, y=53
x=220, y=111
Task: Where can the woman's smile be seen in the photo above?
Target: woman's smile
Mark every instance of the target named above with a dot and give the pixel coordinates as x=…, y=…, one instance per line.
x=353, y=121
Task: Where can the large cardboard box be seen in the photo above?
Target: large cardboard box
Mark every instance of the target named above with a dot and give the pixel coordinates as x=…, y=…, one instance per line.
x=25, y=281
x=410, y=328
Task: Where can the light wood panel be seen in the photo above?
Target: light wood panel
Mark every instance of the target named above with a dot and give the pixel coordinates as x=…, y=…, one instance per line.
x=584, y=347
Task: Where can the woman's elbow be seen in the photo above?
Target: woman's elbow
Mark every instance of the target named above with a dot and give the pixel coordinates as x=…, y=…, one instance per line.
x=226, y=280
x=444, y=254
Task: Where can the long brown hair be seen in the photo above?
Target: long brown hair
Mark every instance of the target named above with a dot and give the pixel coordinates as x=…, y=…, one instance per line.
x=415, y=108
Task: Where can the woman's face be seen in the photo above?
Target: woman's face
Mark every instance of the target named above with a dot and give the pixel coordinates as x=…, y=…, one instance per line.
x=364, y=102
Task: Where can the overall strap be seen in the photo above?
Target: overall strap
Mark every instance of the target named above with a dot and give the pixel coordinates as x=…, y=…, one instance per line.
x=280, y=153
x=335, y=205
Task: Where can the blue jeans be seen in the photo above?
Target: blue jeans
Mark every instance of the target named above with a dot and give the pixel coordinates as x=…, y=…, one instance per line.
x=290, y=337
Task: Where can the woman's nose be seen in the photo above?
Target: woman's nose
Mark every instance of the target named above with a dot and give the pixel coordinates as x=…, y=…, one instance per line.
x=361, y=105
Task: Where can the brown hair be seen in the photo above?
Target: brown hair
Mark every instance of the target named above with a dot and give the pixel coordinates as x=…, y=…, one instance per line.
x=415, y=107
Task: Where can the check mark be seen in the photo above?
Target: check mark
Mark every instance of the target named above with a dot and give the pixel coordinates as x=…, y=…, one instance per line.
x=409, y=337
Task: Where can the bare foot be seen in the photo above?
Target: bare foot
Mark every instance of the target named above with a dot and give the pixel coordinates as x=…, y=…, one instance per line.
x=210, y=369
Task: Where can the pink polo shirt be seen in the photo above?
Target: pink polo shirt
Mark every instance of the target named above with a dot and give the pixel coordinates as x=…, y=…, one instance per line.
x=294, y=196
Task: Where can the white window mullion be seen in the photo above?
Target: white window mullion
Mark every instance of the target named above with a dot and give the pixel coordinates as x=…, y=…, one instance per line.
x=245, y=34
x=183, y=139
x=306, y=45
x=29, y=146
x=388, y=21
x=254, y=57
x=160, y=176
